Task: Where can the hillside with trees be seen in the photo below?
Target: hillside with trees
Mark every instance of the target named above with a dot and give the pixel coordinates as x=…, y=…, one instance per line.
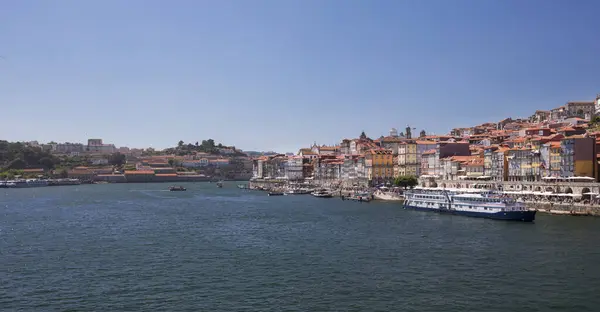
x=17, y=156
x=205, y=146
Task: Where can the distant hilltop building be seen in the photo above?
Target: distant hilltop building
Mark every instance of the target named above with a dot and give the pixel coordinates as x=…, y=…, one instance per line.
x=97, y=146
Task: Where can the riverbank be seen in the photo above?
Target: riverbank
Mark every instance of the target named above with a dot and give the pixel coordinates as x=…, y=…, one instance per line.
x=555, y=208
x=564, y=209
x=337, y=190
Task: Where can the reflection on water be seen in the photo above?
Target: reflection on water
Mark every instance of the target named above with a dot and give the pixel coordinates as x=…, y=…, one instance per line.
x=140, y=247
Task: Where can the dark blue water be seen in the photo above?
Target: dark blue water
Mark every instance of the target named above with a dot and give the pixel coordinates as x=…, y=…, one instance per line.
x=137, y=247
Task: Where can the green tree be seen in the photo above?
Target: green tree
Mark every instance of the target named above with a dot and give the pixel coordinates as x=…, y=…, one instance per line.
x=47, y=162
x=63, y=174
x=117, y=159
x=406, y=181
x=422, y=134
x=180, y=144
x=16, y=164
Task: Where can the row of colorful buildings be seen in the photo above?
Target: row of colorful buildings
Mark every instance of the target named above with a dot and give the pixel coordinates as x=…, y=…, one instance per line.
x=559, y=143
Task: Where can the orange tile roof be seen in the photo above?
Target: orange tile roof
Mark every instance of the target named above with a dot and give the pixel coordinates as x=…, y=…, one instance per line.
x=429, y=152
x=139, y=172
x=461, y=158
x=474, y=163
x=328, y=148
x=424, y=142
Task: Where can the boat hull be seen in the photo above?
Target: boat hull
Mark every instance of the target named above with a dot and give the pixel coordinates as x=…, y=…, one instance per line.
x=524, y=216
x=387, y=197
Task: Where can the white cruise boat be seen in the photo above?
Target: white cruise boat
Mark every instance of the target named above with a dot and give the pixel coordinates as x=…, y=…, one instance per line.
x=489, y=206
x=24, y=183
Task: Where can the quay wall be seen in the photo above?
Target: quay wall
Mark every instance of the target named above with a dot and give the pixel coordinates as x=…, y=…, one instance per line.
x=120, y=178
x=329, y=184
x=566, y=209
x=555, y=187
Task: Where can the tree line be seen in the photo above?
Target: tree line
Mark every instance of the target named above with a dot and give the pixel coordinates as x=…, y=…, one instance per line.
x=405, y=182
x=18, y=156
x=205, y=146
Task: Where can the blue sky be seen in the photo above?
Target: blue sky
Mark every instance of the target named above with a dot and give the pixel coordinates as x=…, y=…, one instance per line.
x=276, y=75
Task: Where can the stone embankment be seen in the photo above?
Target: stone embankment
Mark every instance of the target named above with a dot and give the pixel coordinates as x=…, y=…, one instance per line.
x=565, y=209
x=336, y=188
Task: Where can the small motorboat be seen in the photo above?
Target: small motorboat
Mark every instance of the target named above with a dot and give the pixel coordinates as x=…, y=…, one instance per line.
x=176, y=188
x=297, y=192
x=275, y=193
x=322, y=194
x=361, y=197
x=384, y=194
x=220, y=184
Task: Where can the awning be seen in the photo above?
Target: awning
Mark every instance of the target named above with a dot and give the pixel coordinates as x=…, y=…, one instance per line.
x=581, y=178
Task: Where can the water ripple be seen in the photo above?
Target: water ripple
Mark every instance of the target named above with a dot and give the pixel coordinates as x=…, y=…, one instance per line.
x=138, y=247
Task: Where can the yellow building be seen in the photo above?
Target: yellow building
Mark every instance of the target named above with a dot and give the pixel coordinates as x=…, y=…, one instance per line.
x=408, y=163
x=380, y=165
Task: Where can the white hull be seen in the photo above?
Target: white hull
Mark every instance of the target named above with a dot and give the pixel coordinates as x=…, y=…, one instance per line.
x=388, y=196
x=470, y=205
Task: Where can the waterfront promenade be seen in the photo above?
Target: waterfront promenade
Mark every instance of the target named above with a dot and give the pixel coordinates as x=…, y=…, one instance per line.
x=571, y=198
x=551, y=203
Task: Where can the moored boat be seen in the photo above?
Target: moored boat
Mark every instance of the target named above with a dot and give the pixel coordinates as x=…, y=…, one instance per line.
x=7, y=184
x=297, y=192
x=384, y=194
x=490, y=206
x=25, y=183
x=322, y=194
x=220, y=184
x=57, y=182
x=275, y=193
x=360, y=197
x=177, y=188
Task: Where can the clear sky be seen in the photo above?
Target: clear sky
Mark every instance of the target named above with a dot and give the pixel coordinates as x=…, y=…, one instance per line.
x=276, y=75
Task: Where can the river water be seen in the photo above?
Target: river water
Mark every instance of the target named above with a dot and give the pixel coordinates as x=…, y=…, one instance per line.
x=138, y=247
